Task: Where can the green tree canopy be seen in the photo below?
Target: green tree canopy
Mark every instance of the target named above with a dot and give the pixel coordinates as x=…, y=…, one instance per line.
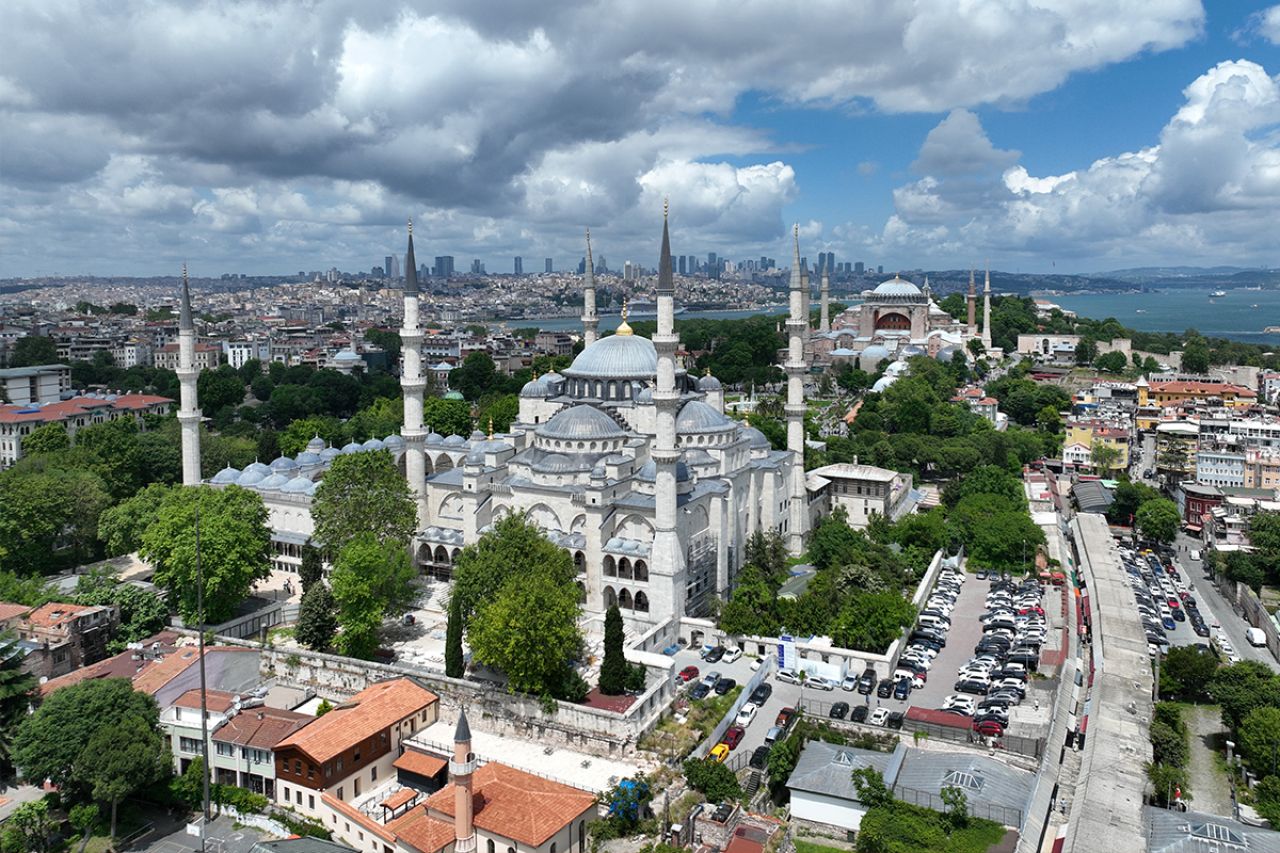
x=49, y=513
x=142, y=612
x=1260, y=740
x=234, y=541
x=1159, y=519
x=613, y=669
x=870, y=621
x=1195, y=355
x=294, y=437
x=996, y=533
x=529, y=631
x=48, y=438
x=454, y=661
x=447, y=417
x=1242, y=687
x=317, y=618
x=1187, y=671
x=123, y=756
x=514, y=546
x=363, y=493
x=15, y=696
x=371, y=579
x=32, y=350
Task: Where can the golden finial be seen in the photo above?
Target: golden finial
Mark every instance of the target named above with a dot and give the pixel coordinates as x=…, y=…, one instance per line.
x=623, y=327
x=706, y=371
x=184, y=272
x=410, y=225
x=491, y=429
x=745, y=422
x=666, y=206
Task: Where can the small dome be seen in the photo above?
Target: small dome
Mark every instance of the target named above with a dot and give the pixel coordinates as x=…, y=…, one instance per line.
x=284, y=463
x=535, y=388
x=308, y=457
x=453, y=395
x=947, y=353
x=698, y=456
x=616, y=357
x=455, y=441
x=275, y=481
x=393, y=442
x=699, y=417
x=250, y=477
x=649, y=472
x=311, y=487
x=598, y=472
x=555, y=463
x=264, y=470
x=297, y=486
x=225, y=477
x=329, y=454
x=480, y=448
x=874, y=354
x=897, y=287
x=580, y=423
x=476, y=435
x=756, y=439
x=373, y=444
x=346, y=357
x=352, y=447
x=911, y=350
x=645, y=395
x=709, y=383
x=434, y=438
x=316, y=444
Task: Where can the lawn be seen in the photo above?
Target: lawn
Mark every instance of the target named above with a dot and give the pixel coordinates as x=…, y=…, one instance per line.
x=810, y=847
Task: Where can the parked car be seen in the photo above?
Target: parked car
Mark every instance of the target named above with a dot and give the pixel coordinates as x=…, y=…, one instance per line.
x=884, y=689
x=989, y=728
x=733, y=736
x=773, y=735
x=747, y=714
x=724, y=685
x=817, y=682
x=689, y=673
x=699, y=691
x=785, y=717
x=902, y=689
x=880, y=717
x=895, y=719
x=788, y=676
x=759, y=758
x=761, y=694
x=860, y=713
x=867, y=682
x=850, y=683
x=731, y=655
x=711, y=678
x=839, y=711
x=715, y=654
x=719, y=753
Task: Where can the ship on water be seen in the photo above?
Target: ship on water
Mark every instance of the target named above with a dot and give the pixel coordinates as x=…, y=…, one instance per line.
x=1217, y=294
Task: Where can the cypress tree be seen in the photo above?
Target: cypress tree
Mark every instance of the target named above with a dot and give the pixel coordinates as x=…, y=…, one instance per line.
x=453, y=663
x=317, y=618
x=613, y=669
x=312, y=567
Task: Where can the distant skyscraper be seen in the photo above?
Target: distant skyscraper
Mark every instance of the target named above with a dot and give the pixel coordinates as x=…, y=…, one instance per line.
x=547, y=262
x=684, y=266
x=859, y=268
x=477, y=267
x=444, y=266
x=713, y=265
x=627, y=273
x=829, y=263
x=582, y=265
x=519, y=265
x=603, y=266
x=386, y=266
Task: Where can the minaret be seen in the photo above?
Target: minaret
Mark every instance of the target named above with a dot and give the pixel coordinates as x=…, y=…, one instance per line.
x=461, y=769
x=413, y=383
x=973, y=307
x=667, y=560
x=986, y=311
x=589, y=319
x=808, y=298
x=797, y=325
x=824, y=319
x=188, y=406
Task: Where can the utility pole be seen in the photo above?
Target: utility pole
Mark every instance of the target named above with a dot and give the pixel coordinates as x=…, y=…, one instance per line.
x=204, y=701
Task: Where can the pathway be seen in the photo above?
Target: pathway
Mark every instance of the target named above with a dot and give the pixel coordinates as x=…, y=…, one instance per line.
x=1209, y=786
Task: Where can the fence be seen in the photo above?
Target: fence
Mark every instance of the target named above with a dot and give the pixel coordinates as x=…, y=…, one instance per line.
x=1006, y=815
x=1252, y=610
x=766, y=668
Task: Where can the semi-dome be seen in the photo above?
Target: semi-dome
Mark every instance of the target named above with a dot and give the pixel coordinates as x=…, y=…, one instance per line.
x=297, y=486
x=709, y=383
x=911, y=350
x=699, y=417
x=250, y=477
x=275, y=481
x=644, y=395
x=308, y=457
x=698, y=456
x=393, y=442
x=264, y=470
x=756, y=439
x=556, y=463
x=874, y=354
x=225, y=477
x=897, y=287
x=352, y=447
x=329, y=454
x=373, y=444
x=283, y=463
x=316, y=444
x=947, y=353
x=578, y=423
x=616, y=357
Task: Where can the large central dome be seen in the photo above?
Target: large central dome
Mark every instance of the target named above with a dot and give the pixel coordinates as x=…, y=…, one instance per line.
x=616, y=357
x=896, y=287
x=580, y=422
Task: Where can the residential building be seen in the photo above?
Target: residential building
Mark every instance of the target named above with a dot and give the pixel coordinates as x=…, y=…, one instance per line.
x=1167, y=391
x=1093, y=433
x=1063, y=347
x=18, y=421
x=238, y=352
x=61, y=638
x=45, y=383
x=1261, y=468
x=352, y=747
x=1220, y=467
x=207, y=356
x=1176, y=445
x=865, y=490
x=1197, y=503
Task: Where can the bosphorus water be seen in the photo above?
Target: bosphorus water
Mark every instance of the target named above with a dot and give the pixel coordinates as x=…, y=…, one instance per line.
x=1176, y=310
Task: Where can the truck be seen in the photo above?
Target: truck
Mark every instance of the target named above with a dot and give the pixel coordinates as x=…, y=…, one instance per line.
x=1255, y=636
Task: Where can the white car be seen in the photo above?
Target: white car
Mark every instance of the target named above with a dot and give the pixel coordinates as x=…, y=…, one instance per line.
x=787, y=676
x=756, y=664
x=747, y=715
x=879, y=717
x=731, y=655
x=957, y=702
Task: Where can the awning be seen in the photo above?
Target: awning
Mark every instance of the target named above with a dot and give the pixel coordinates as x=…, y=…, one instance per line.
x=420, y=763
x=1194, y=528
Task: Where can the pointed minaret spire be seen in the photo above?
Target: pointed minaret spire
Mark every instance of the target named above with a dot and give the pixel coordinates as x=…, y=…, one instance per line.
x=461, y=770
x=796, y=368
x=824, y=317
x=410, y=266
x=184, y=309
x=188, y=402
x=590, y=322
x=986, y=310
x=666, y=284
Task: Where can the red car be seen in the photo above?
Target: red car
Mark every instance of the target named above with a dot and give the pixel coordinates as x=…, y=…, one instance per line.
x=785, y=716
x=733, y=736
x=989, y=728
x=689, y=673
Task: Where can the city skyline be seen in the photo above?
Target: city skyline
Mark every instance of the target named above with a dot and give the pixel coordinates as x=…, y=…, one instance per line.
x=1076, y=140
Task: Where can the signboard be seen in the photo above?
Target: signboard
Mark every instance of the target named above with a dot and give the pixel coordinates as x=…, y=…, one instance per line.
x=787, y=657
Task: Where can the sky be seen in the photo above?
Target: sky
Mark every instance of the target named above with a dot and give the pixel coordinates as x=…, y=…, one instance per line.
x=271, y=137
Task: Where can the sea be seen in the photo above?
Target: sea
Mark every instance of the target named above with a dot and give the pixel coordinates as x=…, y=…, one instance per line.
x=1240, y=315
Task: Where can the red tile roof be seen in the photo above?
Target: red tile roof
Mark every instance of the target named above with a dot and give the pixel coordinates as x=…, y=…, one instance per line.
x=420, y=831
x=218, y=701
x=10, y=611
x=420, y=763
x=120, y=666
x=12, y=413
x=400, y=798
x=374, y=709
x=1187, y=386
x=53, y=614
x=516, y=804
x=261, y=728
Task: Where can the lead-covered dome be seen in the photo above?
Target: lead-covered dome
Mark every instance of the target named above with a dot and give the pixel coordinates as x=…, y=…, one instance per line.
x=225, y=477
x=897, y=287
x=580, y=423
x=616, y=357
x=699, y=417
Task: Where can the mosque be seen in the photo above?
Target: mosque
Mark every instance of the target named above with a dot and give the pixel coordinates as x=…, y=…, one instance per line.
x=624, y=459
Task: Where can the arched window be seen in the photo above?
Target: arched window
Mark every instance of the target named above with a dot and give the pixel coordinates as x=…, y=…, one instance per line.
x=624, y=600
x=442, y=556
x=553, y=847
x=642, y=602
x=642, y=570
x=579, y=562
x=610, y=597
x=491, y=846
x=610, y=569
x=624, y=568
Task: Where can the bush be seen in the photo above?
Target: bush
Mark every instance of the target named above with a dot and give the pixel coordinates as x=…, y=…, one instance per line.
x=713, y=779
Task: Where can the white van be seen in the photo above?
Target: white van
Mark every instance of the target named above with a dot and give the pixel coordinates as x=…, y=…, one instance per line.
x=1195, y=555
x=1255, y=636
x=928, y=620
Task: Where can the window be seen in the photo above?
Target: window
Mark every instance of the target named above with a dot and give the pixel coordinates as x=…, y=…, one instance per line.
x=489, y=846
x=299, y=793
x=226, y=749
x=189, y=744
x=297, y=766
x=311, y=801
x=553, y=847
x=373, y=773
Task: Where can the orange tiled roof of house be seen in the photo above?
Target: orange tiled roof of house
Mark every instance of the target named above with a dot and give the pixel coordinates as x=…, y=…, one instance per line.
x=373, y=709
x=118, y=666
x=1192, y=386
x=261, y=728
x=419, y=830
x=10, y=611
x=53, y=614
x=218, y=701
x=13, y=413
x=160, y=673
x=516, y=804
x=420, y=763
x=386, y=833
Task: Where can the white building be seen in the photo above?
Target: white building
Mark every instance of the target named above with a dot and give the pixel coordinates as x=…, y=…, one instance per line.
x=238, y=352
x=865, y=491
x=44, y=383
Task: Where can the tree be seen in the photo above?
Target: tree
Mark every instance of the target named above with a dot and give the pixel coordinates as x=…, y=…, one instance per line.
x=32, y=350
x=51, y=743
x=956, y=804
x=1241, y=687
x=317, y=620
x=767, y=552
x=529, y=630
x=48, y=438
x=1129, y=496
x=1158, y=519
x=1086, y=351
x=1266, y=799
x=116, y=444
x=872, y=790
x=142, y=612
x=234, y=541
x=1049, y=420
x=49, y=512
x=1111, y=362
x=121, y=527
x=514, y=546
x=833, y=542
x=15, y=696
x=996, y=533
x=1260, y=740
x=293, y=438
x=312, y=568
x=1186, y=671
x=1264, y=535
x=32, y=824
x=1195, y=355
x=870, y=621
x=447, y=417
x=613, y=669
x=499, y=409
x=370, y=578
x=751, y=609
x=363, y=493
x=713, y=779
x=122, y=757
x=475, y=377
x=219, y=389
x=454, y=662
x=1104, y=457
x=985, y=480
x=84, y=817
